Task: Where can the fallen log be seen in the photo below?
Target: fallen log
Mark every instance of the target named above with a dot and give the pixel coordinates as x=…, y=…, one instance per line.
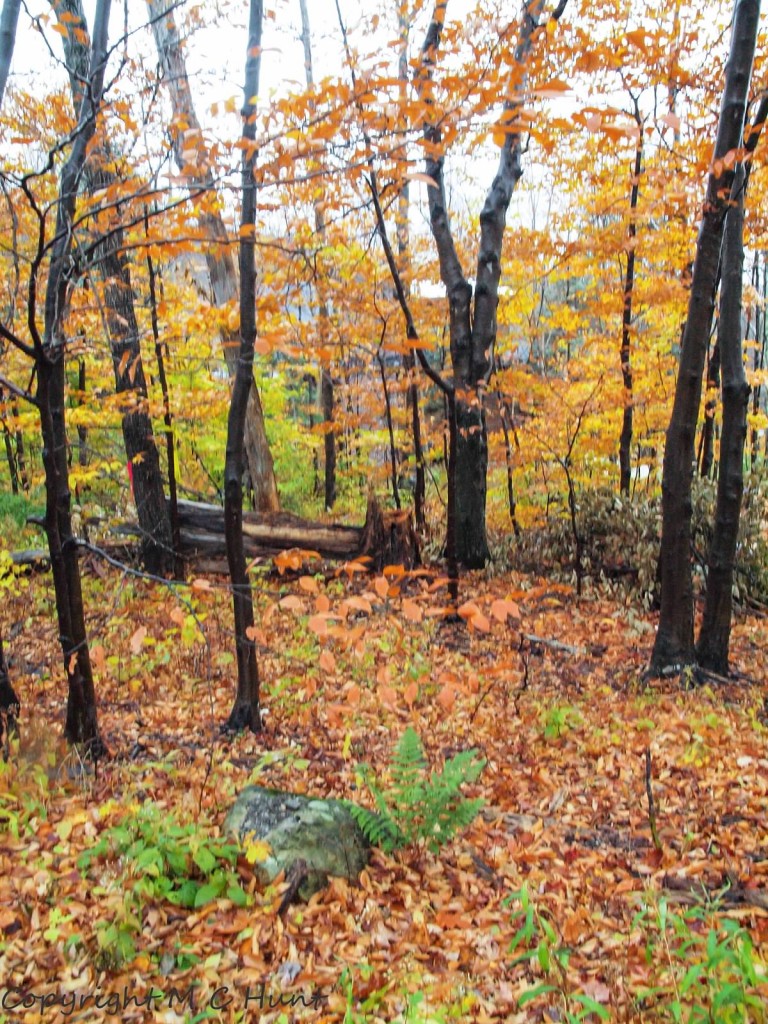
x=202, y=530
x=386, y=538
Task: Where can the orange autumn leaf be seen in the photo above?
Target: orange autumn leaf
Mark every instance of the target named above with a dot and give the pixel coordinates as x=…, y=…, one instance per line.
x=327, y=662
x=138, y=639
x=412, y=611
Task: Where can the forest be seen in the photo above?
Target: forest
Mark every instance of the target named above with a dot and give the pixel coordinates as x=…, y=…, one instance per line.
x=383, y=511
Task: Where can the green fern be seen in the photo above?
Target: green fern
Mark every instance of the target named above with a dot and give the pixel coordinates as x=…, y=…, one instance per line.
x=417, y=805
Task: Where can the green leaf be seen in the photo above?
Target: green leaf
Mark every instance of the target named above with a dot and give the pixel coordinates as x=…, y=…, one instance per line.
x=533, y=993
x=591, y=1006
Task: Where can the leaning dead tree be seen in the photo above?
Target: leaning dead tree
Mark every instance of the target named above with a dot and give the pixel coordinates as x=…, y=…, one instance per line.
x=187, y=135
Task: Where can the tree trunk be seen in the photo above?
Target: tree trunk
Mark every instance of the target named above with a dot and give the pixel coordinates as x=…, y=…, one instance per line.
x=81, y=723
x=326, y=379
x=715, y=632
x=759, y=356
x=707, y=459
x=472, y=313
x=471, y=476
x=246, y=713
x=674, y=644
x=625, y=440
x=8, y=440
x=221, y=267
x=170, y=447
x=9, y=703
x=122, y=325
x=404, y=254
x=9, y=19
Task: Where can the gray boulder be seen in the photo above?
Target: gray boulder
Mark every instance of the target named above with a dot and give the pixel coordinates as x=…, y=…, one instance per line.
x=309, y=838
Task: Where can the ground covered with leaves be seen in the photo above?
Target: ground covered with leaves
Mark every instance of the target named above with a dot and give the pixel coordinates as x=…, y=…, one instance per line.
x=568, y=898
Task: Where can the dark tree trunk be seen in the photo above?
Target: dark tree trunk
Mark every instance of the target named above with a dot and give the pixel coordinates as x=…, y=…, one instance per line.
x=472, y=313
x=125, y=346
x=21, y=462
x=707, y=458
x=82, y=431
x=625, y=440
x=508, y=458
x=674, y=644
x=9, y=19
x=246, y=713
x=329, y=436
x=170, y=448
x=221, y=267
x=9, y=703
x=390, y=432
x=9, y=452
x=81, y=724
x=471, y=475
x=715, y=632
x=759, y=358
x=404, y=253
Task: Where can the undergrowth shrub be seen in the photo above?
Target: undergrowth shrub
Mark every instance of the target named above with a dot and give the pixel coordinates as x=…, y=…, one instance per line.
x=417, y=805
x=150, y=857
x=701, y=967
x=621, y=541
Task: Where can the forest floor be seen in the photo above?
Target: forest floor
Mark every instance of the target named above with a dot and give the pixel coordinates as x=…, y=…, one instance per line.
x=556, y=904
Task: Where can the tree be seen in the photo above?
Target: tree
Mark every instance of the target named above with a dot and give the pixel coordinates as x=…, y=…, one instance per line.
x=47, y=349
x=187, y=139
x=674, y=645
x=9, y=19
x=121, y=321
x=625, y=441
x=715, y=630
x=246, y=713
x=472, y=310
x=326, y=380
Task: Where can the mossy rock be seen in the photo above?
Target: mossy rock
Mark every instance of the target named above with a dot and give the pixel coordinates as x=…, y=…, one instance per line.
x=322, y=833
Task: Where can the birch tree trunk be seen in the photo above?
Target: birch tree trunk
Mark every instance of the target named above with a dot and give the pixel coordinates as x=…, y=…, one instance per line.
x=9, y=19
x=674, y=646
x=218, y=258
x=246, y=713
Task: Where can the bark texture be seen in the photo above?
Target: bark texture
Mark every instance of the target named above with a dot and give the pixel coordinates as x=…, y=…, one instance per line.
x=715, y=632
x=625, y=440
x=326, y=380
x=9, y=19
x=246, y=713
x=188, y=139
x=109, y=257
x=472, y=312
x=81, y=722
x=674, y=646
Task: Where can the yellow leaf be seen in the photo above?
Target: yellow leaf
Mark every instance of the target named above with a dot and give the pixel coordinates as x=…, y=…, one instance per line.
x=256, y=850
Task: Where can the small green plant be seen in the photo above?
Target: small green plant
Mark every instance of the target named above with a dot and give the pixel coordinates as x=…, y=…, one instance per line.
x=704, y=966
x=559, y=720
x=165, y=860
x=536, y=944
x=418, y=805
